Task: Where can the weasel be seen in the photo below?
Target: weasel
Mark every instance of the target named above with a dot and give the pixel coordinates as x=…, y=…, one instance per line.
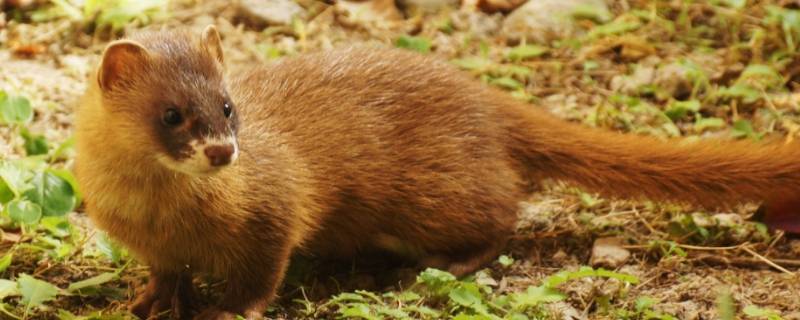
x=345, y=152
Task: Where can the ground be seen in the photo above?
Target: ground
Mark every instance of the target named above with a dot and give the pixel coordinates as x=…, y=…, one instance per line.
x=717, y=69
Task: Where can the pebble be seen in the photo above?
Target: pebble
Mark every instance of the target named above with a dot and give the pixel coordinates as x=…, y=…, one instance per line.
x=547, y=20
x=609, y=253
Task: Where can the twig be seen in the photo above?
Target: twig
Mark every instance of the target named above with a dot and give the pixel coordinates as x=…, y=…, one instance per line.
x=684, y=246
x=767, y=261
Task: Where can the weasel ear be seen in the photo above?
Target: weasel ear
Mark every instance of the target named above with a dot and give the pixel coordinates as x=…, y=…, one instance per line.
x=212, y=42
x=121, y=60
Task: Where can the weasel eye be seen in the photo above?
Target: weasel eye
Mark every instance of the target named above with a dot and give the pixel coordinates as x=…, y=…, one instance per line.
x=227, y=110
x=172, y=117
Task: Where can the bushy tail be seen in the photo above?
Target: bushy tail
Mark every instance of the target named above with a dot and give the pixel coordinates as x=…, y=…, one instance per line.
x=707, y=172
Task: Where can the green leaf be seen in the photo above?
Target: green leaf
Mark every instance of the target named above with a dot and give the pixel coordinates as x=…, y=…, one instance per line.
x=761, y=76
x=535, y=296
x=436, y=280
x=679, y=109
x=65, y=149
x=754, y=311
x=467, y=295
x=69, y=178
x=358, y=310
x=701, y=124
x=408, y=296
x=108, y=247
x=588, y=200
x=644, y=303
x=24, y=212
x=525, y=52
x=34, y=144
x=618, y=26
x=505, y=260
x=464, y=316
x=476, y=64
x=507, y=83
x=418, y=44
x=725, y=306
x=5, y=262
x=739, y=91
x=736, y=4
x=591, y=11
x=743, y=128
x=92, y=282
x=35, y=292
x=14, y=177
x=348, y=297
x=53, y=193
x=513, y=70
x=8, y=288
x=14, y=109
x=6, y=194
x=58, y=226
x=117, y=14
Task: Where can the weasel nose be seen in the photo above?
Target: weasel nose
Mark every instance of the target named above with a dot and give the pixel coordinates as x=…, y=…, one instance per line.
x=219, y=155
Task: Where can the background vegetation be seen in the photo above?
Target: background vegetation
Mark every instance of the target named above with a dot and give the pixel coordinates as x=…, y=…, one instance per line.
x=726, y=68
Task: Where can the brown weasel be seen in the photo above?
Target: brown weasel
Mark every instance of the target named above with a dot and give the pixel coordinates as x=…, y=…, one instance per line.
x=345, y=152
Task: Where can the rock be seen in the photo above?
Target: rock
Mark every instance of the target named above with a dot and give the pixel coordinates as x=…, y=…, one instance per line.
x=564, y=311
x=794, y=245
x=630, y=84
x=673, y=78
x=703, y=220
x=560, y=256
x=428, y=5
x=609, y=253
x=367, y=13
x=688, y=310
x=262, y=13
x=536, y=215
x=547, y=20
x=792, y=316
x=728, y=219
x=481, y=25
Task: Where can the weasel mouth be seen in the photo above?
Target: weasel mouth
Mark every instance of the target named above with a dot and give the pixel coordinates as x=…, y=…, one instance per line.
x=208, y=156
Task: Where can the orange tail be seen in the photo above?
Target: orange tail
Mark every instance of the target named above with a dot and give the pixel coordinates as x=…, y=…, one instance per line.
x=706, y=172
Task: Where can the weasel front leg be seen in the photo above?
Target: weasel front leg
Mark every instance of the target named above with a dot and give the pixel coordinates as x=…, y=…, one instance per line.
x=165, y=291
x=250, y=289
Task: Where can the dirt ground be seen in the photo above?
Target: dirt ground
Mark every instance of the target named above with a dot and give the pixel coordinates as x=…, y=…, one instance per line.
x=689, y=260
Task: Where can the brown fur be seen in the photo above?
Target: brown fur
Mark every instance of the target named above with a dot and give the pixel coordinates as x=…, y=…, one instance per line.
x=359, y=150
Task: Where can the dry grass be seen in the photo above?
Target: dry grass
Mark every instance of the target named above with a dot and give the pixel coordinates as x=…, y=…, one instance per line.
x=623, y=81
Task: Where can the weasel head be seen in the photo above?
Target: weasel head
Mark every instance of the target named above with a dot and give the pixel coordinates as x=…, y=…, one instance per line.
x=165, y=93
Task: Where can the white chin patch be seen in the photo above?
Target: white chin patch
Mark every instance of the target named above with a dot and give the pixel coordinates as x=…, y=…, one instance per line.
x=200, y=163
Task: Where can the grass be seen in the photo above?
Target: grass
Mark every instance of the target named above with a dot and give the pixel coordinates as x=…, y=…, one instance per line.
x=678, y=68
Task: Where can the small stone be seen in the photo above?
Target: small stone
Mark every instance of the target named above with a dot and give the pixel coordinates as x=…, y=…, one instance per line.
x=609, y=253
x=262, y=13
x=688, y=310
x=560, y=256
x=703, y=220
x=728, y=219
x=564, y=311
x=547, y=20
x=629, y=84
x=794, y=245
x=428, y=5
x=372, y=13
x=674, y=79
